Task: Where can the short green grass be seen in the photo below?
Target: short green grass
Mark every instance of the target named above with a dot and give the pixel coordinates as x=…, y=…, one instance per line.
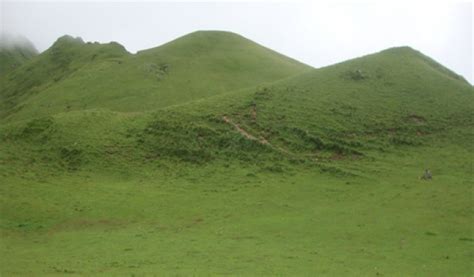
x=241, y=220
x=330, y=184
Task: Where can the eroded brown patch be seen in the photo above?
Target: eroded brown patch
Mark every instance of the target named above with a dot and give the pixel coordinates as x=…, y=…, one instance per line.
x=80, y=224
x=418, y=119
x=195, y=222
x=339, y=156
x=253, y=113
x=336, y=157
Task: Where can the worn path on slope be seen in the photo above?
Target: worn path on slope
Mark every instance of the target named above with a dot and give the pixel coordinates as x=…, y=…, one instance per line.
x=260, y=140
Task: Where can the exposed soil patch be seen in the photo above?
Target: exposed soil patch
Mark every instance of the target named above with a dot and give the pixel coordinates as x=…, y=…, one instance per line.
x=260, y=140
x=195, y=222
x=243, y=132
x=416, y=119
x=87, y=224
x=253, y=113
x=337, y=157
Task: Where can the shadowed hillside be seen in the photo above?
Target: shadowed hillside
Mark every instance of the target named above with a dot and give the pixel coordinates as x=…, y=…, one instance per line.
x=59, y=63
x=14, y=51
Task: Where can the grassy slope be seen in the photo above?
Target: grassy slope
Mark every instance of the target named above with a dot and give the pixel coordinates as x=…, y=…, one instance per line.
x=13, y=58
x=13, y=55
x=100, y=192
x=391, y=97
x=195, y=66
x=241, y=221
x=65, y=58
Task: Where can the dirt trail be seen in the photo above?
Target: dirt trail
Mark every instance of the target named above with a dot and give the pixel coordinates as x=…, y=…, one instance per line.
x=243, y=132
x=261, y=140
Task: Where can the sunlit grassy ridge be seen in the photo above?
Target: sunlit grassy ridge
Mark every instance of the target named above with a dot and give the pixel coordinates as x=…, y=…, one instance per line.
x=315, y=173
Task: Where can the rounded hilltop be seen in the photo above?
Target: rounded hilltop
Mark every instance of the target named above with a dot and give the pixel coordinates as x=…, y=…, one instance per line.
x=214, y=32
x=207, y=40
x=197, y=65
x=407, y=52
x=69, y=39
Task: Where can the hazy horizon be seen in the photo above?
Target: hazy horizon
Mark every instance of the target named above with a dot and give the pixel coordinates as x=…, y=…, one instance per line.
x=318, y=35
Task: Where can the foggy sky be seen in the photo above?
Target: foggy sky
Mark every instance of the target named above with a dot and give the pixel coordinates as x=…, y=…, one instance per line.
x=315, y=34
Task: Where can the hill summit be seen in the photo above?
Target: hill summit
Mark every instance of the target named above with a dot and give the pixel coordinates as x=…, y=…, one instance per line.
x=193, y=67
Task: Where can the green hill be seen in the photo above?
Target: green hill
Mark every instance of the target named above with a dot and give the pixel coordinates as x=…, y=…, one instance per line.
x=51, y=68
x=14, y=52
x=195, y=66
x=374, y=103
x=291, y=171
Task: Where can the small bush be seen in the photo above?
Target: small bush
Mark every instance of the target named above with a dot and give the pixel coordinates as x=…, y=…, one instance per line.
x=72, y=157
x=404, y=140
x=39, y=129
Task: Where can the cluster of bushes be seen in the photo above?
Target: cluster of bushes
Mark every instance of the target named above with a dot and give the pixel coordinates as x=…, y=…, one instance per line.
x=37, y=130
x=157, y=70
x=356, y=75
x=303, y=140
x=71, y=157
x=196, y=142
x=42, y=138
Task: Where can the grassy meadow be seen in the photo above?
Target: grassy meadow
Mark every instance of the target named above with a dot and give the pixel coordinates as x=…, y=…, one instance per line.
x=239, y=219
x=186, y=159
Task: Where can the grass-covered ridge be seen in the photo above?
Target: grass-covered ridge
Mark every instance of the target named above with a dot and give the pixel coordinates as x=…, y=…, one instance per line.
x=314, y=173
x=195, y=66
x=343, y=111
x=14, y=51
x=66, y=57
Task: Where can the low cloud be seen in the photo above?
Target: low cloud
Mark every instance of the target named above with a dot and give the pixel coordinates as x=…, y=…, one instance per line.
x=12, y=41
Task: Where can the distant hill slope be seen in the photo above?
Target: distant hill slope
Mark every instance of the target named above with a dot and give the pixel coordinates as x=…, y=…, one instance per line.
x=374, y=104
x=395, y=98
x=14, y=52
x=68, y=55
x=72, y=75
